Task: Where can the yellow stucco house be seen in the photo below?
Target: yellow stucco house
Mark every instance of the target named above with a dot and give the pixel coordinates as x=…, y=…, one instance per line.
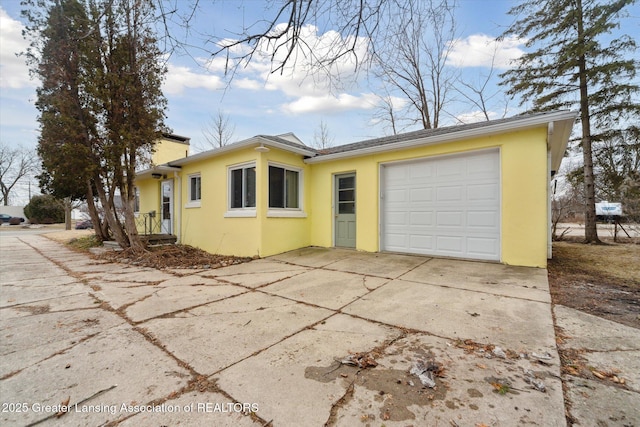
x=475, y=191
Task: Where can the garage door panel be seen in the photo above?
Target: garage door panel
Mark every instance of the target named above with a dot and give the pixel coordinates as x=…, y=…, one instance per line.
x=451, y=245
x=421, y=194
x=482, y=248
x=397, y=218
x=446, y=206
x=448, y=193
x=421, y=243
x=420, y=172
x=482, y=219
x=482, y=192
x=421, y=218
x=450, y=219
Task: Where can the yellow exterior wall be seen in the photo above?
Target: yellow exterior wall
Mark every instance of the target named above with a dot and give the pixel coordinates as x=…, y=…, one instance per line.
x=523, y=157
x=206, y=227
x=167, y=150
x=524, y=192
x=284, y=234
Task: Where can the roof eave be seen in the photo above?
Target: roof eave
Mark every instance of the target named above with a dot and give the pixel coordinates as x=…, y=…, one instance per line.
x=524, y=123
x=255, y=140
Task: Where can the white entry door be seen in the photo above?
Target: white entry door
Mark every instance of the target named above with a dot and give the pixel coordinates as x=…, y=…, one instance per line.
x=445, y=206
x=167, y=207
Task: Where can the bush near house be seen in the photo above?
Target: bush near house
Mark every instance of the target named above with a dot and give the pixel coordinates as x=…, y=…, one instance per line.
x=44, y=209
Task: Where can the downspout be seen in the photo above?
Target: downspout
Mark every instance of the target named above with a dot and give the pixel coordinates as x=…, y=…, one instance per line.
x=178, y=212
x=549, y=177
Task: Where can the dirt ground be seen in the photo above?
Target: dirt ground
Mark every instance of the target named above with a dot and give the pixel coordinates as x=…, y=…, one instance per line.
x=603, y=280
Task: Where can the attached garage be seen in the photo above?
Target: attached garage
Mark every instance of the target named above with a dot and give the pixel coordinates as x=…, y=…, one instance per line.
x=444, y=206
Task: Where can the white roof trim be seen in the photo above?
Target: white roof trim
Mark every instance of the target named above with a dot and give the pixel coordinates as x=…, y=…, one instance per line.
x=524, y=123
x=255, y=140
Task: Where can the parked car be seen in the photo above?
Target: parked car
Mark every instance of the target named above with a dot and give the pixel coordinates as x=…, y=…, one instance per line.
x=9, y=218
x=83, y=225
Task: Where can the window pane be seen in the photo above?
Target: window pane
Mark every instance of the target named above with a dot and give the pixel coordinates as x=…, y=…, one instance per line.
x=346, y=208
x=347, y=182
x=346, y=195
x=292, y=189
x=194, y=194
x=199, y=188
x=236, y=188
x=250, y=188
x=276, y=187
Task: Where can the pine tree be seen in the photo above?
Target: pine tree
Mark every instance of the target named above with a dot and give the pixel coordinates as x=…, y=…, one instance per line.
x=101, y=106
x=576, y=62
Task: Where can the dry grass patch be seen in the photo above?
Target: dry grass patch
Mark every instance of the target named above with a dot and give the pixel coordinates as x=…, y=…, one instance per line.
x=603, y=280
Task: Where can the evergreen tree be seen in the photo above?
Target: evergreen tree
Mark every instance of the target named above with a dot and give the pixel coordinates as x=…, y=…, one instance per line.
x=576, y=61
x=101, y=106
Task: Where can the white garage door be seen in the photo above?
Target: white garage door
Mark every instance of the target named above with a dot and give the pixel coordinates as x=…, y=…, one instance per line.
x=447, y=206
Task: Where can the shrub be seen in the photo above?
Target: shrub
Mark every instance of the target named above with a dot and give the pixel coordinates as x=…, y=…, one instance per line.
x=44, y=209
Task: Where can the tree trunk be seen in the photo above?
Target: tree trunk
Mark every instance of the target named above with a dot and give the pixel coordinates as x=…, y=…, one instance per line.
x=110, y=216
x=99, y=228
x=590, y=230
x=67, y=213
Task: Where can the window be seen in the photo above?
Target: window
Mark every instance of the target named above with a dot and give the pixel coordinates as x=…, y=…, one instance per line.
x=243, y=187
x=136, y=200
x=195, y=190
x=284, y=188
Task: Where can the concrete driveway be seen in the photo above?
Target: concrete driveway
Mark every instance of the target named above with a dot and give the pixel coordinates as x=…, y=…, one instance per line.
x=311, y=337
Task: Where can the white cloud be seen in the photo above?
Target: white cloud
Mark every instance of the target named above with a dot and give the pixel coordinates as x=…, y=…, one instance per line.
x=14, y=73
x=480, y=50
x=180, y=78
x=476, y=116
x=331, y=104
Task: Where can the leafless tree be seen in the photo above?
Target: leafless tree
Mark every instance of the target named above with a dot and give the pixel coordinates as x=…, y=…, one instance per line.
x=16, y=163
x=322, y=138
x=479, y=94
x=219, y=131
x=414, y=59
x=281, y=32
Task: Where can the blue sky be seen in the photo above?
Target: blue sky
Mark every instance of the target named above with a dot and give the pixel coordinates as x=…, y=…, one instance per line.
x=255, y=101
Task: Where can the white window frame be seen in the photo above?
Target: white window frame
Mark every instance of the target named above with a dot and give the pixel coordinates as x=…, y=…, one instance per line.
x=136, y=201
x=241, y=212
x=194, y=202
x=273, y=212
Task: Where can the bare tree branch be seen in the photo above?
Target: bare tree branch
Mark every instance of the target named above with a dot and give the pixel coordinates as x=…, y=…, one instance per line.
x=15, y=164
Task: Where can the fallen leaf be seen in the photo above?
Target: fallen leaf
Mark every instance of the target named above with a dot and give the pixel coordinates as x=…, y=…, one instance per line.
x=64, y=407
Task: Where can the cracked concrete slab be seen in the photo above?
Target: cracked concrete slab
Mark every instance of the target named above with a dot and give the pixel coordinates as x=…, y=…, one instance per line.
x=625, y=364
x=608, y=347
x=385, y=265
x=314, y=257
x=117, y=357
x=74, y=302
x=500, y=279
x=281, y=373
x=172, y=299
x=189, y=281
x=221, y=333
x=270, y=342
x=464, y=389
x=330, y=289
x=590, y=332
x=593, y=403
x=29, y=339
x=139, y=275
x=256, y=280
x=459, y=313
x=17, y=294
x=203, y=409
x=254, y=267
